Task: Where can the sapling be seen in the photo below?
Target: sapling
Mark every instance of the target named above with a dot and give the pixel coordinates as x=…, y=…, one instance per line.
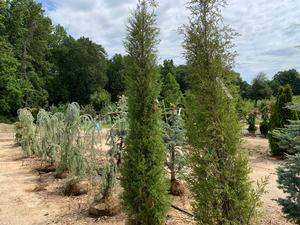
x=116, y=140
x=26, y=132
x=175, y=141
x=78, y=146
x=119, y=130
x=49, y=135
x=67, y=140
x=251, y=120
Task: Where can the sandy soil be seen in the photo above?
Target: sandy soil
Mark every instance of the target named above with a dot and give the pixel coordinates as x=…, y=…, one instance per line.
x=31, y=198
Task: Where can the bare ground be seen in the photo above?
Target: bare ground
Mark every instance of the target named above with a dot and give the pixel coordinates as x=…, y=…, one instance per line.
x=31, y=198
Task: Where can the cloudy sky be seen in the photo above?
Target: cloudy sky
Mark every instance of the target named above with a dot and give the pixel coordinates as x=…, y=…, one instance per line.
x=269, y=29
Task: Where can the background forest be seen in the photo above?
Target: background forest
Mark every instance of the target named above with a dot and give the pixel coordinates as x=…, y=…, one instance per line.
x=170, y=129
x=42, y=66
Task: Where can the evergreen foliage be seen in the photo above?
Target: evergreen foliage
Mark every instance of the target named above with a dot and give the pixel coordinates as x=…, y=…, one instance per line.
x=289, y=181
x=219, y=172
x=280, y=116
x=116, y=140
x=145, y=196
x=66, y=140
x=288, y=136
x=167, y=67
x=171, y=91
x=175, y=140
x=251, y=120
x=25, y=134
x=264, y=128
x=264, y=125
x=182, y=77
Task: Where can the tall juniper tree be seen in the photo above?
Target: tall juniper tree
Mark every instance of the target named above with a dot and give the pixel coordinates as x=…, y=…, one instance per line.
x=219, y=171
x=145, y=196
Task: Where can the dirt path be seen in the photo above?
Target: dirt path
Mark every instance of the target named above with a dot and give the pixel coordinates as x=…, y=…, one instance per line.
x=21, y=205
x=263, y=165
x=18, y=204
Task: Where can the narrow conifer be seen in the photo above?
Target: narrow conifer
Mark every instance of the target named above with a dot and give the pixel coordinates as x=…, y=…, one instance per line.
x=219, y=171
x=145, y=196
x=280, y=116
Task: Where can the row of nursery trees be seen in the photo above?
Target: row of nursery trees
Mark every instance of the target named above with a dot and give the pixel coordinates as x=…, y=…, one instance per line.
x=281, y=125
x=208, y=142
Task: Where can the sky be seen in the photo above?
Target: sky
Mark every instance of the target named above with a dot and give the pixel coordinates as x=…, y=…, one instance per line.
x=269, y=30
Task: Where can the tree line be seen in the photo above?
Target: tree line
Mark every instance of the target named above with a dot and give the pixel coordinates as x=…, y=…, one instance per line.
x=263, y=88
x=42, y=65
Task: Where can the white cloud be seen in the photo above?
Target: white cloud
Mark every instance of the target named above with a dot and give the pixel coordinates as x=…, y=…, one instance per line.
x=269, y=29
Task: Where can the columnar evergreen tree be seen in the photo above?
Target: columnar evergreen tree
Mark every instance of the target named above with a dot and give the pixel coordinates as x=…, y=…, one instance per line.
x=145, y=196
x=219, y=169
x=280, y=116
x=171, y=91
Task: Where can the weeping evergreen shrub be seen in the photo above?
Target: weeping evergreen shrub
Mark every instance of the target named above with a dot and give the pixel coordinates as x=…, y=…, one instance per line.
x=49, y=135
x=218, y=179
x=175, y=140
x=78, y=153
x=145, y=196
x=25, y=132
x=66, y=140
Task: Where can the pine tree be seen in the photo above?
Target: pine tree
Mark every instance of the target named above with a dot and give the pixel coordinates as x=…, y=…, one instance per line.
x=145, y=196
x=280, y=116
x=219, y=169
